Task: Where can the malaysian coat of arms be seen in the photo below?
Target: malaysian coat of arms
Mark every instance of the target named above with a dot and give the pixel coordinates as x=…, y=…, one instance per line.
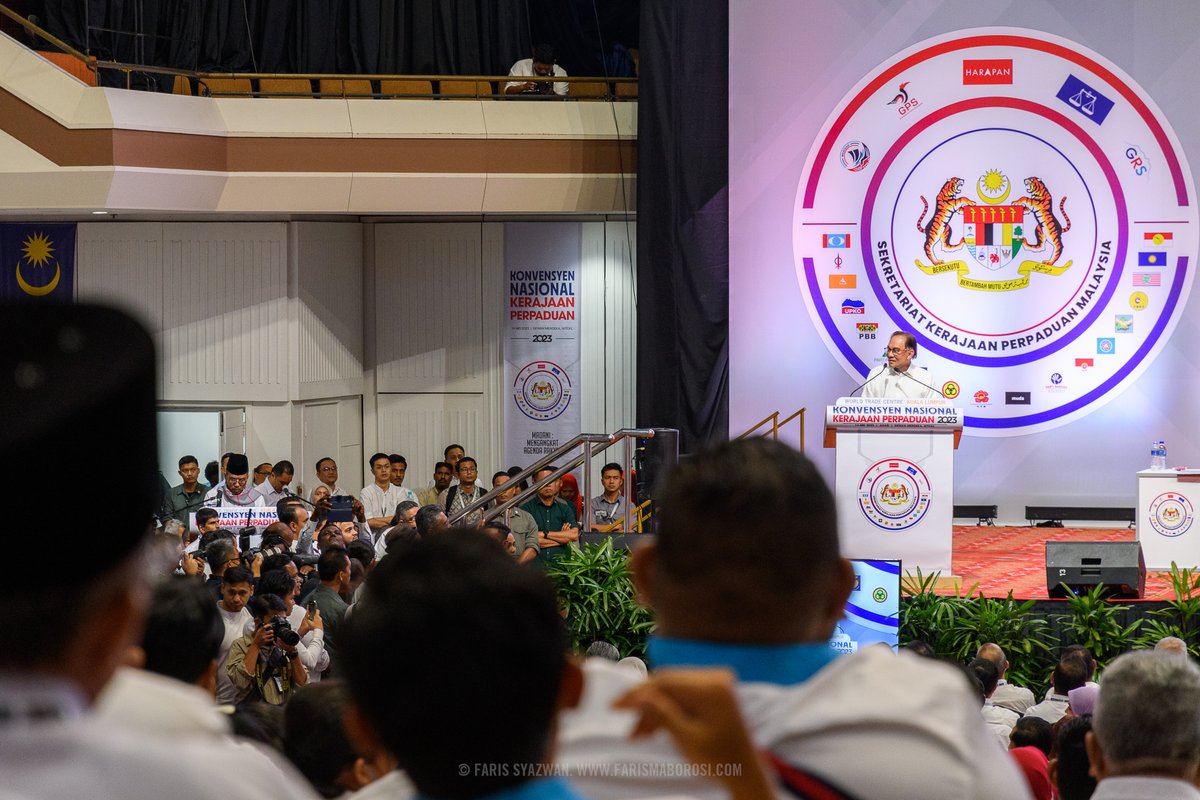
x=994, y=233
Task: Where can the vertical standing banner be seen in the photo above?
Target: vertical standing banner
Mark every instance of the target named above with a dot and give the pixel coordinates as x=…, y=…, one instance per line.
x=37, y=262
x=541, y=338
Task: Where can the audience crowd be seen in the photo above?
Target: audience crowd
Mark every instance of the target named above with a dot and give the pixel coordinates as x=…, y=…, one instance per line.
x=366, y=648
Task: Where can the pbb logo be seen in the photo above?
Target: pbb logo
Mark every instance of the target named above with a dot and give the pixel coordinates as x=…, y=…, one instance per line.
x=866, y=330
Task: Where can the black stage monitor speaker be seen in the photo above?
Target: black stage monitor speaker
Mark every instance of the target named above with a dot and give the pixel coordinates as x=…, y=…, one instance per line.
x=1083, y=565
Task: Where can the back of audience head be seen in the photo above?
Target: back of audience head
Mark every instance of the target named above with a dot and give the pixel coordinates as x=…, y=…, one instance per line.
x=995, y=654
x=919, y=647
x=458, y=600
x=221, y=554
x=1071, y=673
x=1172, y=645
x=1070, y=768
x=259, y=722
x=1147, y=719
x=315, y=741
x=985, y=670
x=183, y=633
x=279, y=583
x=604, y=650
x=1079, y=651
x=747, y=548
x=1032, y=732
x=361, y=552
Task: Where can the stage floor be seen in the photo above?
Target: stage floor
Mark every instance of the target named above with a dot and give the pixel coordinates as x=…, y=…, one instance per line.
x=1002, y=558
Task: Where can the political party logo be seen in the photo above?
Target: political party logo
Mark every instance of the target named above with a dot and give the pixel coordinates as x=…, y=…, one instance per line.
x=866, y=330
x=1123, y=323
x=835, y=240
x=542, y=390
x=981, y=398
x=854, y=307
x=843, y=281
x=894, y=494
x=855, y=156
x=950, y=390
x=1001, y=228
x=903, y=101
x=987, y=71
x=1056, y=378
x=880, y=595
x=1085, y=363
x=1083, y=98
x=1138, y=162
x=1106, y=346
x=1017, y=398
x=1171, y=514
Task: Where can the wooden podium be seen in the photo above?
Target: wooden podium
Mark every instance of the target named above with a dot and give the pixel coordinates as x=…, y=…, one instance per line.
x=895, y=479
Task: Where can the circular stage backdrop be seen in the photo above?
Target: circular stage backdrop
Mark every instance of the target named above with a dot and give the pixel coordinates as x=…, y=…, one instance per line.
x=1019, y=204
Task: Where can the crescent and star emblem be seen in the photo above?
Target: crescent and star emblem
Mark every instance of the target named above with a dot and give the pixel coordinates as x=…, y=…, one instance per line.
x=37, y=249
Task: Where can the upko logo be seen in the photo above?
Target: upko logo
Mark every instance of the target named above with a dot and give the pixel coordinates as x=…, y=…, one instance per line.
x=1004, y=229
x=894, y=494
x=1171, y=514
x=542, y=390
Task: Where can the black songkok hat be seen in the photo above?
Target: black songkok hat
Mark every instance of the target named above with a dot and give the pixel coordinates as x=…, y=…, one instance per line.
x=237, y=464
x=78, y=381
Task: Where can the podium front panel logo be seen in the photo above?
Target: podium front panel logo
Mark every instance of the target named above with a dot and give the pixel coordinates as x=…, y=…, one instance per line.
x=1013, y=230
x=1171, y=514
x=894, y=494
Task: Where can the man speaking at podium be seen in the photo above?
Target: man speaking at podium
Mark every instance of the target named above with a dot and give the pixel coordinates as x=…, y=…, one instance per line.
x=899, y=378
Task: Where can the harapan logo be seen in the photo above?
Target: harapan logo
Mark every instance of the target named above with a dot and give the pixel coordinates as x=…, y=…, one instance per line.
x=987, y=71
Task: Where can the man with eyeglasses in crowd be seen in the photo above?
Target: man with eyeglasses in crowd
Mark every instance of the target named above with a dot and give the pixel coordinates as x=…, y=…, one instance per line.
x=236, y=490
x=465, y=492
x=327, y=473
x=899, y=378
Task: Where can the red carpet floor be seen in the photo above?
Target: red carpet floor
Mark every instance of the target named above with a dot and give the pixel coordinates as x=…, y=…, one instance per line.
x=1003, y=558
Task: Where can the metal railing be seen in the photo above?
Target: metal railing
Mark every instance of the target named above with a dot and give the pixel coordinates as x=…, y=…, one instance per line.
x=776, y=424
x=45, y=35
x=593, y=444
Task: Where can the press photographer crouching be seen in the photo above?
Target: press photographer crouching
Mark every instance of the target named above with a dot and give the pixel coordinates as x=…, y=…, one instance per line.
x=265, y=665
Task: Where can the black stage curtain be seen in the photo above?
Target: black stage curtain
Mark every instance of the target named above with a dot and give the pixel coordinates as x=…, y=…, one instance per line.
x=464, y=37
x=683, y=215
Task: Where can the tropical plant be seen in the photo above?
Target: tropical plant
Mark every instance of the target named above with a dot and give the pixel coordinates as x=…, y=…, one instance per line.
x=1094, y=622
x=1179, y=617
x=596, y=594
x=926, y=615
x=1027, y=640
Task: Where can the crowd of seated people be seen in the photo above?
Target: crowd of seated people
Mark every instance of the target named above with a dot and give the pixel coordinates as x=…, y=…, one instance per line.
x=443, y=669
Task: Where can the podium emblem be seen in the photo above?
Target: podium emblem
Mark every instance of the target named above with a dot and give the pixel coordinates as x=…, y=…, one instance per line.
x=894, y=494
x=1171, y=514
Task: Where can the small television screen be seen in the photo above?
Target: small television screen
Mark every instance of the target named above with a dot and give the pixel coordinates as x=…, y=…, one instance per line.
x=873, y=610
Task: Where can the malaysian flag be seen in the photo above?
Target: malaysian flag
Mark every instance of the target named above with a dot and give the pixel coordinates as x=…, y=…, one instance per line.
x=1147, y=279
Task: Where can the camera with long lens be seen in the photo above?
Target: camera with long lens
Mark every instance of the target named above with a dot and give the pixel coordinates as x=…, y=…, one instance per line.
x=284, y=633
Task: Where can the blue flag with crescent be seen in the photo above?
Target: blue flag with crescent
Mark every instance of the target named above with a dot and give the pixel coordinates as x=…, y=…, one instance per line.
x=37, y=262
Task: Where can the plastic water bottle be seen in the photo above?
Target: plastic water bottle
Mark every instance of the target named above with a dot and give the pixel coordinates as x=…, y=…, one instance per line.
x=1158, y=456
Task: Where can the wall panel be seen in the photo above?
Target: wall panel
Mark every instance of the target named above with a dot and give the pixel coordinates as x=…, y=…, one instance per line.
x=120, y=264
x=419, y=426
x=329, y=283
x=225, y=334
x=428, y=326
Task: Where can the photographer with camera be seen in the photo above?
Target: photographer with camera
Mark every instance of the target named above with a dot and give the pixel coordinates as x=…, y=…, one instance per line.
x=306, y=621
x=265, y=665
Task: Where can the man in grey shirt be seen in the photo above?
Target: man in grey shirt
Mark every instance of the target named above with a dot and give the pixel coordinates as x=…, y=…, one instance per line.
x=523, y=526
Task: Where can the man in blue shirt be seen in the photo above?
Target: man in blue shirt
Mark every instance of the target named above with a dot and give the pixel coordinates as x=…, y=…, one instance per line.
x=745, y=574
x=455, y=625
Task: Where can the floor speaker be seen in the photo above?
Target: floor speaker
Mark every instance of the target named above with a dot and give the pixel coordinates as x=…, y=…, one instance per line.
x=1083, y=565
